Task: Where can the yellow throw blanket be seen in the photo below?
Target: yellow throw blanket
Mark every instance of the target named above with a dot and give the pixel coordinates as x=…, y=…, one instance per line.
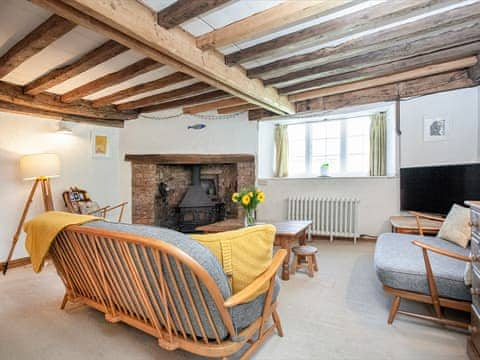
x=42, y=230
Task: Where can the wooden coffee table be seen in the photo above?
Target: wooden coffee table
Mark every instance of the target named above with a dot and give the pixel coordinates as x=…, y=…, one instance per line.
x=288, y=232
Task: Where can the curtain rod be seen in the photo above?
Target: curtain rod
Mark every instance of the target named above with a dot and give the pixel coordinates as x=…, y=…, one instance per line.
x=327, y=119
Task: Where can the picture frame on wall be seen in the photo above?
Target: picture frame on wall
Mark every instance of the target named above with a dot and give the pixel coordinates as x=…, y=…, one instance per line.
x=435, y=128
x=100, y=145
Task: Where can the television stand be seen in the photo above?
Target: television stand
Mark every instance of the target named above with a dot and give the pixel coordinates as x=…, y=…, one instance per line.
x=408, y=225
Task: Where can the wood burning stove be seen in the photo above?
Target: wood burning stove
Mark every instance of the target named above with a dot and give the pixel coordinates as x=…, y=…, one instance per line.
x=196, y=207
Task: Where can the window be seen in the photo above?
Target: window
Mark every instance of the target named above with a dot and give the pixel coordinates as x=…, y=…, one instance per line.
x=342, y=144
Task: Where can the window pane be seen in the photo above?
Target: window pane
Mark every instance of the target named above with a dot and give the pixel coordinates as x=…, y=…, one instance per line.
x=358, y=126
x=333, y=146
x=357, y=140
x=318, y=147
x=318, y=130
x=296, y=149
x=355, y=145
x=333, y=128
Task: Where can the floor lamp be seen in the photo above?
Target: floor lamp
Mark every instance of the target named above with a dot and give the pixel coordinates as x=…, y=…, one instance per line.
x=40, y=168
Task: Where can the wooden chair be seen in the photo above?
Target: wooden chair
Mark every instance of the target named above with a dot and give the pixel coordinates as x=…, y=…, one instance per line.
x=157, y=288
x=78, y=201
x=433, y=298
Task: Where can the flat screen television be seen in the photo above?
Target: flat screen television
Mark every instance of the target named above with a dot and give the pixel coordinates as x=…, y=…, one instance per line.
x=435, y=189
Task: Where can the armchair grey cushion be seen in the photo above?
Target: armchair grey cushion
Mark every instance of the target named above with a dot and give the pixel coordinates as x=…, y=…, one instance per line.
x=399, y=264
x=242, y=315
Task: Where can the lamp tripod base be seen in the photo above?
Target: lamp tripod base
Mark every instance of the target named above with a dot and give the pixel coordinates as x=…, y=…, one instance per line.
x=47, y=203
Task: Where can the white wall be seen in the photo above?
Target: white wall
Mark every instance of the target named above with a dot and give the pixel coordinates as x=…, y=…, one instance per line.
x=146, y=136
x=461, y=110
x=21, y=135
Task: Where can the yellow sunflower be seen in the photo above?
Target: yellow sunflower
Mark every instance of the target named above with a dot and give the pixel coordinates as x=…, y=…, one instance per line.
x=245, y=200
x=250, y=194
x=235, y=197
x=261, y=197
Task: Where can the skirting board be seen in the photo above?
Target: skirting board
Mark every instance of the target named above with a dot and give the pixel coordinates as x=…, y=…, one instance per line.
x=16, y=263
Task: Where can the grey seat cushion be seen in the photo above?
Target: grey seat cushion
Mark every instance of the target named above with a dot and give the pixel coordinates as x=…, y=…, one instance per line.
x=399, y=264
x=242, y=315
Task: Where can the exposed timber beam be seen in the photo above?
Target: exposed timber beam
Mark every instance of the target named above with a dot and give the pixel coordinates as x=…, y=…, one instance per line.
x=427, y=43
x=165, y=96
x=370, y=42
x=97, y=56
x=196, y=109
x=390, y=92
x=14, y=94
x=381, y=14
x=172, y=47
x=138, y=68
x=25, y=110
x=389, y=79
x=386, y=69
x=141, y=88
x=45, y=34
x=183, y=10
x=236, y=109
x=474, y=71
x=259, y=114
x=213, y=95
x=285, y=14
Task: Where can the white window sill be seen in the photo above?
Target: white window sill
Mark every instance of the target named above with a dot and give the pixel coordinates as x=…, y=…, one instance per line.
x=326, y=178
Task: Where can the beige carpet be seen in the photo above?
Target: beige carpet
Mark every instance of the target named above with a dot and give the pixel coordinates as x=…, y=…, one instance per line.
x=339, y=314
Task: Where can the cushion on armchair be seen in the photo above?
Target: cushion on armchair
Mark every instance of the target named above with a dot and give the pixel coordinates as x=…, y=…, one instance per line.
x=456, y=227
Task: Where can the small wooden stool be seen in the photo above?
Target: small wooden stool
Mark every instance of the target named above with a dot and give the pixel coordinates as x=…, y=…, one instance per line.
x=302, y=253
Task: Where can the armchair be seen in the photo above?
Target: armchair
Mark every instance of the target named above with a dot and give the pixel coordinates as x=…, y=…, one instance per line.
x=78, y=201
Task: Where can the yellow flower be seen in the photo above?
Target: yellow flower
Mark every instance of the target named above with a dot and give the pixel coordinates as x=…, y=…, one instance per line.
x=235, y=197
x=245, y=200
x=261, y=197
x=250, y=194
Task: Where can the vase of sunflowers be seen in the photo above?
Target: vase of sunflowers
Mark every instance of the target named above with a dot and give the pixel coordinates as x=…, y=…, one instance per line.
x=249, y=198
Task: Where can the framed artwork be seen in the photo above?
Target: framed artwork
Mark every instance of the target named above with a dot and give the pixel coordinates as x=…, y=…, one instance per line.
x=435, y=129
x=100, y=145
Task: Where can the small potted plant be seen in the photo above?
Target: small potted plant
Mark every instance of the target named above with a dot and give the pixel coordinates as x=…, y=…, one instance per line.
x=324, y=169
x=249, y=198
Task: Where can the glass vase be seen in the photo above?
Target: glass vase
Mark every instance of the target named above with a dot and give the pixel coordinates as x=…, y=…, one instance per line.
x=249, y=217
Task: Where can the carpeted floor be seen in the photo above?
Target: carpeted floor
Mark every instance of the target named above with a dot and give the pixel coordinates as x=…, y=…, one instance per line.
x=339, y=314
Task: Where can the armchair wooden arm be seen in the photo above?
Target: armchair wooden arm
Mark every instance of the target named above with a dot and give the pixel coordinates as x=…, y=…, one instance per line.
x=419, y=215
x=266, y=276
x=122, y=208
x=442, y=251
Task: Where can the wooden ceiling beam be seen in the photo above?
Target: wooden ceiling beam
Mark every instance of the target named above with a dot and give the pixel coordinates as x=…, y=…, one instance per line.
x=380, y=14
x=184, y=10
x=196, y=109
x=95, y=57
x=417, y=87
x=390, y=92
x=386, y=69
x=237, y=109
x=141, y=88
x=14, y=94
x=26, y=110
x=370, y=42
x=430, y=42
x=165, y=96
x=138, y=68
x=213, y=95
x=389, y=79
x=285, y=14
x=173, y=47
x=45, y=34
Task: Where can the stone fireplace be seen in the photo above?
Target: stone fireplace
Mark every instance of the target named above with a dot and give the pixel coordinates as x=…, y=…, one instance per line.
x=182, y=191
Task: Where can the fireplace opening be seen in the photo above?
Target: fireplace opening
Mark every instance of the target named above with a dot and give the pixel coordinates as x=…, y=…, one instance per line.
x=196, y=207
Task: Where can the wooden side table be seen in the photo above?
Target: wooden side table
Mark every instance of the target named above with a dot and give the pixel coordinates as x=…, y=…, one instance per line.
x=408, y=225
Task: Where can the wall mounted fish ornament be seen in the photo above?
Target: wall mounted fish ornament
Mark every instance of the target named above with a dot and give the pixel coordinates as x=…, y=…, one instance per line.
x=197, y=127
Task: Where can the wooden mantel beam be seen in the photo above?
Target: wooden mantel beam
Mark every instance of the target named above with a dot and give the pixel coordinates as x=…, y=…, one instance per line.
x=97, y=56
x=45, y=34
x=285, y=14
x=183, y=10
x=14, y=94
x=173, y=47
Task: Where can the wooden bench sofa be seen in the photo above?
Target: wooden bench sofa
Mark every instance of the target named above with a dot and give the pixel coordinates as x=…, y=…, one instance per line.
x=167, y=285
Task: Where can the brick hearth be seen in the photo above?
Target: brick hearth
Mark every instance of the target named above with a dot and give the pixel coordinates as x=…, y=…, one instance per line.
x=228, y=172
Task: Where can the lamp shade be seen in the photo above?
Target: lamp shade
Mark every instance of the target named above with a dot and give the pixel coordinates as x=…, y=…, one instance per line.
x=39, y=166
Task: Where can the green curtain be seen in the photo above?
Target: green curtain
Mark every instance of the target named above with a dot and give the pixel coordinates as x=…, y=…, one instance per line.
x=281, y=151
x=378, y=145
